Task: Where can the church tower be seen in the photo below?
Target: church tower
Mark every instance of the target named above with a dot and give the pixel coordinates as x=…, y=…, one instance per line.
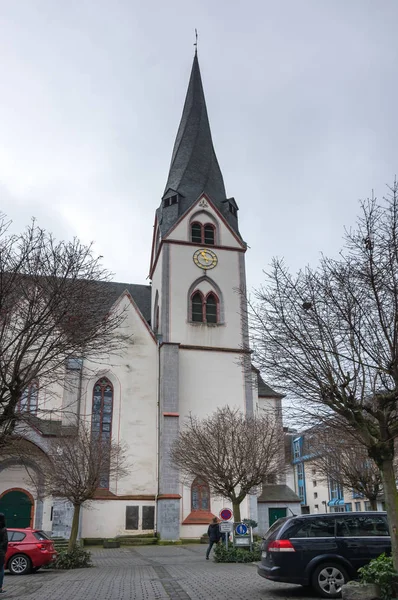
x=197, y=269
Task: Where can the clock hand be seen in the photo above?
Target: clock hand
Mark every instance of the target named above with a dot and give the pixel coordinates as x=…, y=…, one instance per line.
x=203, y=254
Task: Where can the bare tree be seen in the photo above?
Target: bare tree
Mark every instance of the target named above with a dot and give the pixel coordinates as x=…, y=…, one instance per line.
x=343, y=459
x=234, y=453
x=329, y=337
x=55, y=304
x=75, y=467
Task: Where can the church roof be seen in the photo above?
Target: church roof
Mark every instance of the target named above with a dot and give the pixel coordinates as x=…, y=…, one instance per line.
x=141, y=295
x=264, y=390
x=194, y=167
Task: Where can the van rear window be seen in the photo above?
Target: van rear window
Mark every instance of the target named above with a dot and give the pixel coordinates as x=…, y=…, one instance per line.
x=275, y=527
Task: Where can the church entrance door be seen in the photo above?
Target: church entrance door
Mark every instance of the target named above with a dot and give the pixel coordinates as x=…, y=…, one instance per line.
x=17, y=506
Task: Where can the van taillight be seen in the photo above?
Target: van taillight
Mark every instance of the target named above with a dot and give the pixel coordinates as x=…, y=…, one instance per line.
x=281, y=546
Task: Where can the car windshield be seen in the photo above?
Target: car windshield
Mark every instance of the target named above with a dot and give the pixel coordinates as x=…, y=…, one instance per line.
x=275, y=526
x=40, y=535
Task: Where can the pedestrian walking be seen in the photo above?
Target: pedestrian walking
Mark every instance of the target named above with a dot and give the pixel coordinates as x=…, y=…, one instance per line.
x=214, y=535
x=3, y=549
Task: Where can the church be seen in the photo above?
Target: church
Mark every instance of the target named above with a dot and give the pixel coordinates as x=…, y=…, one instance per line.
x=190, y=355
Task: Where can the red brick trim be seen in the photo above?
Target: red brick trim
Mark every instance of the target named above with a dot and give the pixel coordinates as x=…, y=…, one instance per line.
x=169, y=497
x=110, y=496
x=171, y=414
x=215, y=349
x=199, y=517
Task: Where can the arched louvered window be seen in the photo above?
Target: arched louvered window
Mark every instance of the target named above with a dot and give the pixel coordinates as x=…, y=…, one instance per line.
x=209, y=234
x=211, y=308
x=29, y=398
x=197, y=307
x=196, y=233
x=203, y=234
x=200, y=495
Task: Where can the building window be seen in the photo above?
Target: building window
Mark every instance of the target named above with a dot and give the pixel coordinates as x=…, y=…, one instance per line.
x=203, y=234
x=197, y=307
x=29, y=398
x=368, y=505
x=314, y=483
x=196, y=233
x=233, y=210
x=336, y=491
x=348, y=507
x=297, y=448
x=209, y=234
x=171, y=200
x=315, y=495
x=358, y=506
x=211, y=308
x=200, y=495
x=204, y=310
x=101, y=420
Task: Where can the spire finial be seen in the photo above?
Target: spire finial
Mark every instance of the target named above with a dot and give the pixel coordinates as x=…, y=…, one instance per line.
x=196, y=42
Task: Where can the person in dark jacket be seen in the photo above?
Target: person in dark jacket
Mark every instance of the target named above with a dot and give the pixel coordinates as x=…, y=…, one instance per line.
x=3, y=549
x=214, y=535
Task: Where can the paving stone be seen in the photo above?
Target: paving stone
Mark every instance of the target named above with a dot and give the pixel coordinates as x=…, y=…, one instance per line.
x=151, y=573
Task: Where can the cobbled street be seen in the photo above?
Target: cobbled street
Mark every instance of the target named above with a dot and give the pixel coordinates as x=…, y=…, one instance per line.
x=149, y=573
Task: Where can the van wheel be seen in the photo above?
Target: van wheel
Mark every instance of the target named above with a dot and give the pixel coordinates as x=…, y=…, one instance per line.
x=328, y=578
x=19, y=564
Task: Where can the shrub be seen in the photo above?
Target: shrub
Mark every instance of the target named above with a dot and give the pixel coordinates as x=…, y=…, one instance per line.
x=250, y=523
x=237, y=555
x=380, y=570
x=75, y=559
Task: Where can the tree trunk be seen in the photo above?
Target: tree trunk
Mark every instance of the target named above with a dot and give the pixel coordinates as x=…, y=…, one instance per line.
x=373, y=503
x=75, y=527
x=391, y=499
x=236, y=511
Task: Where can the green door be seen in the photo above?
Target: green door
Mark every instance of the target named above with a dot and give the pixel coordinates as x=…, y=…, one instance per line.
x=17, y=508
x=275, y=514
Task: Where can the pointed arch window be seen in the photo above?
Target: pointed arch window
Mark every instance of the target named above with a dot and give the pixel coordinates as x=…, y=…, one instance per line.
x=29, y=399
x=203, y=233
x=200, y=495
x=211, y=308
x=101, y=424
x=197, y=307
x=204, y=309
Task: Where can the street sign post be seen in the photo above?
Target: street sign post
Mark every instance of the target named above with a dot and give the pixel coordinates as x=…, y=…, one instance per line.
x=226, y=527
x=225, y=514
x=242, y=535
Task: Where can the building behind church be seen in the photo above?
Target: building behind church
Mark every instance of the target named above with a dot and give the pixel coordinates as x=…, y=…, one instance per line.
x=189, y=354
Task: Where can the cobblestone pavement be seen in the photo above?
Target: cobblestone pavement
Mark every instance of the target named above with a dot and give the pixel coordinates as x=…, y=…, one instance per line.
x=151, y=573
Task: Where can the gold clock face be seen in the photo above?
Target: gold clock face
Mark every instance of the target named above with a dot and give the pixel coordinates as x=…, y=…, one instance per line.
x=205, y=258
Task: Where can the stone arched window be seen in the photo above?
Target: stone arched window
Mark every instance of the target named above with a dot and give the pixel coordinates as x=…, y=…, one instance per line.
x=30, y=398
x=204, y=234
x=101, y=421
x=200, y=495
x=205, y=309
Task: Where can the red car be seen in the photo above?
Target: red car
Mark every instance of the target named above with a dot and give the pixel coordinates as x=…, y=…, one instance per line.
x=28, y=550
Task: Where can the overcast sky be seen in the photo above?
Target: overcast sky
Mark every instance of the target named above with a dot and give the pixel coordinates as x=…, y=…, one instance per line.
x=302, y=101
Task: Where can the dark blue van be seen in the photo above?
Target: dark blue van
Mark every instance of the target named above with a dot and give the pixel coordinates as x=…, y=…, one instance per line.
x=323, y=551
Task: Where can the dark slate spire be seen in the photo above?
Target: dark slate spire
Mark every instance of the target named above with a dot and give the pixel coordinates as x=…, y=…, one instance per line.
x=194, y=168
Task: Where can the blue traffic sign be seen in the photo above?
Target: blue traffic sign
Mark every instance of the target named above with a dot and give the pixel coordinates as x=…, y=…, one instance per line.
x=241, y=529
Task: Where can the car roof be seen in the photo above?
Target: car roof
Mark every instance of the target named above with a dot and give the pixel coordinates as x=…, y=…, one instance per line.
x=337, y=514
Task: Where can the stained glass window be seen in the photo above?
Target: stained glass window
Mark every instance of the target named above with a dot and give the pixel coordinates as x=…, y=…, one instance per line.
x=200, y=495
x=101, y=423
